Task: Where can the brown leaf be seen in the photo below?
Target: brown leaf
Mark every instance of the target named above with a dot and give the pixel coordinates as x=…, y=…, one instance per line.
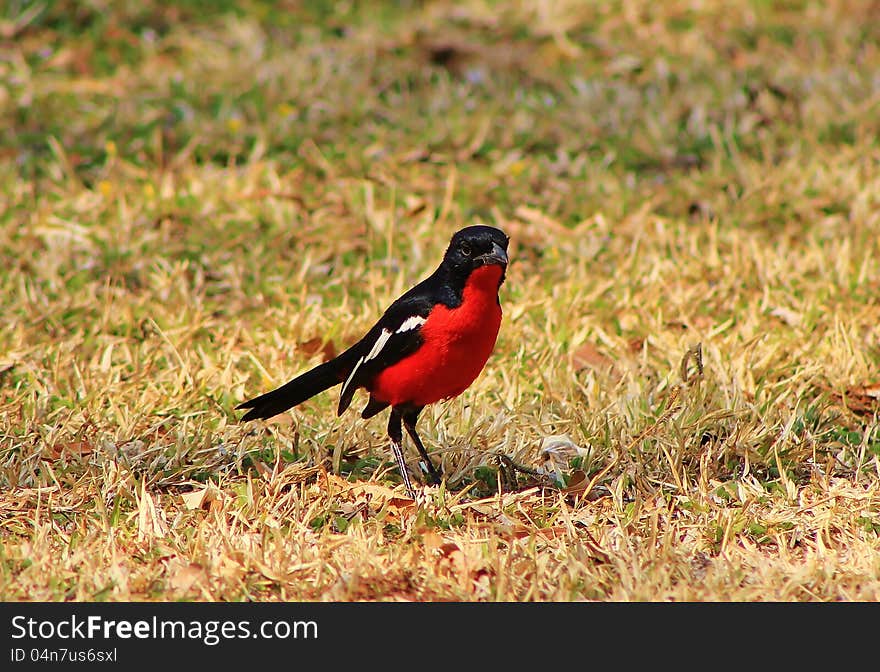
x=552, y=532
x=371, y=489
x=860, y=399
x=53, y=452
x=588, y=357
x=282, y=419
x=577, y=484
x=71, y=449
x=448, y=549
x=81, y=448
x=197, y=499
x=635, y=345
x=315, y=345
x=263, y=469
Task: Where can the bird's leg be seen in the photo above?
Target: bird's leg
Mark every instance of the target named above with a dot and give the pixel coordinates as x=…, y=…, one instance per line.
x=395, y=433
x=409, y=421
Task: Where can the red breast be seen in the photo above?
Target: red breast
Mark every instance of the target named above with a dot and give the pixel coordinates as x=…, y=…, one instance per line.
x=457, y=344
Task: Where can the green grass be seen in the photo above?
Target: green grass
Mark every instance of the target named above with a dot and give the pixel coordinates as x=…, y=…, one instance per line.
x=196, y=199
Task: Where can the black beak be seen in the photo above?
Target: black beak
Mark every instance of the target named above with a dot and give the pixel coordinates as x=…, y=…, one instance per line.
x=496, y=256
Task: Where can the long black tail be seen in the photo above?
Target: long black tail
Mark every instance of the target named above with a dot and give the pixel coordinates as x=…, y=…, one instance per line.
x=295, y=392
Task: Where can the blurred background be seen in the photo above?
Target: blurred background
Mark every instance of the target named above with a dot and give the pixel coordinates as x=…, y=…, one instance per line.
x=570, y=106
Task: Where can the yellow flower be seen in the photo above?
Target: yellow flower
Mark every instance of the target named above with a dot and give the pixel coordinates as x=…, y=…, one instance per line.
x=284, y=109
x=517, y=168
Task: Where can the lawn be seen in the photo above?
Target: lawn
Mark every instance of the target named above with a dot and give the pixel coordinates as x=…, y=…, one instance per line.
x=200, y=200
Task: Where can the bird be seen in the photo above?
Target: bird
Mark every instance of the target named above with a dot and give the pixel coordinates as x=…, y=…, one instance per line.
x=428, y=346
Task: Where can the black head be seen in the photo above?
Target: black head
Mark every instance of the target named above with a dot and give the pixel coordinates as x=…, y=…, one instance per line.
x=476, y=246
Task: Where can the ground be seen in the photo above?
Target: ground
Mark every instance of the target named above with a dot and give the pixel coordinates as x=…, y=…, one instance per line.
x=199, y=201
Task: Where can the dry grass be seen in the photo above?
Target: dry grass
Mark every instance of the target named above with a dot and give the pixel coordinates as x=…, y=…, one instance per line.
x=194, y=208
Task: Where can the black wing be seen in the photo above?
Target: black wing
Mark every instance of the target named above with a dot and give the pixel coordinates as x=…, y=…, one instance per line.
x=396, y=335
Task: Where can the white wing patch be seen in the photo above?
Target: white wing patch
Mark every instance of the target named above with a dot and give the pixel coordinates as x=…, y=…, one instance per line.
x=408, y=324
x=351, y=377
x=378, y=345
x=411, y=323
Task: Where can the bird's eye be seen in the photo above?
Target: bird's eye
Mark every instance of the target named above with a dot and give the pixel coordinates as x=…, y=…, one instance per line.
x=465, y=248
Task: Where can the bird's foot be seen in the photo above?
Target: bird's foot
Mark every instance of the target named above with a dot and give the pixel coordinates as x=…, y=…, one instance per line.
x=434, y=475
